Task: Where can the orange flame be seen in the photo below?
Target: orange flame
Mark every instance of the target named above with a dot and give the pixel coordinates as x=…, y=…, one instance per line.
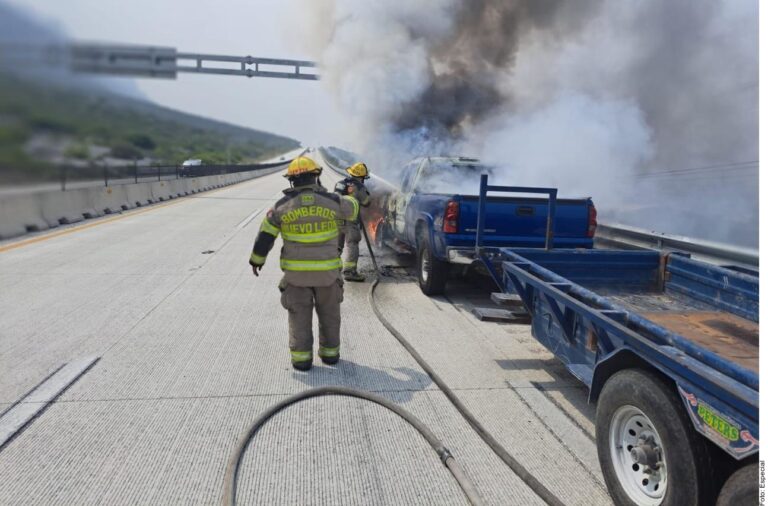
x=372, y=226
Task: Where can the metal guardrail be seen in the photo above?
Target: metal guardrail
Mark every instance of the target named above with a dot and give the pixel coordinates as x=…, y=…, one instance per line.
x=78, y=177
x=628, y=237
x=337, y=165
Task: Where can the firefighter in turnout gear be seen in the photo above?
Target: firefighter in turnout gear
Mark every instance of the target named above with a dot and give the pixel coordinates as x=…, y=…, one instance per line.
x=350, y=236
x=307, y=218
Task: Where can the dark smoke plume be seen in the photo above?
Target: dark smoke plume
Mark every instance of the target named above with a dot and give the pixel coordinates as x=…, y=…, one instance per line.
x=468, y=64
x=649, y=106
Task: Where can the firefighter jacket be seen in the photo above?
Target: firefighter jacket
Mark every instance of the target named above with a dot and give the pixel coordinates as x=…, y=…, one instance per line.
x=355, y=188
x=308, y=219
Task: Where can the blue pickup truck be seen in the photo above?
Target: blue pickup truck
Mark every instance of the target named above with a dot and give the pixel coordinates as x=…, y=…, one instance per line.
x=434, y=214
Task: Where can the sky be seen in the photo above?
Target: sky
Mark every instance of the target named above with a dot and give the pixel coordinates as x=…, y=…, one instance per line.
x=303, y=110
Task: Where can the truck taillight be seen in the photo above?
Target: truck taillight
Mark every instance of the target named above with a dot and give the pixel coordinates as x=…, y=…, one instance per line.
x=451, y=217
x=592, y=221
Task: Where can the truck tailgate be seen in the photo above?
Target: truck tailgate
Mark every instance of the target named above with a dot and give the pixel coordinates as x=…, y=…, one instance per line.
x=522, y=221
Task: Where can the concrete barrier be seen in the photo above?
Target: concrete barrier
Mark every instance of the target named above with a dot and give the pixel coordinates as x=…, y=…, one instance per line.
x=62, y=208
x=23, y=213
x=19, y=216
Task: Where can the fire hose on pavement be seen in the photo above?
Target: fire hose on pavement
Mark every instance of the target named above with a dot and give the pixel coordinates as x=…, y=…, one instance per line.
x=230, y=492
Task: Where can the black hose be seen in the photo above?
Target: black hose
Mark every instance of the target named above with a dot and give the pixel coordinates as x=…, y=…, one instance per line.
x=368, y=243
x=230, y=484
x=530, y=480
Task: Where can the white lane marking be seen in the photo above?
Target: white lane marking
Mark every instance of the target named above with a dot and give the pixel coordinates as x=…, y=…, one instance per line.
x=249, y=218
x=30, y=406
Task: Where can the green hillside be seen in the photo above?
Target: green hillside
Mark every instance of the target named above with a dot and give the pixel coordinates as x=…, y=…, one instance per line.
x=86, y=127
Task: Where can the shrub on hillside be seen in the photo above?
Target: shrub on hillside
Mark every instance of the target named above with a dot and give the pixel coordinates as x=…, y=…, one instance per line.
x=126, y=151
x=78, y=151
x=142, y=141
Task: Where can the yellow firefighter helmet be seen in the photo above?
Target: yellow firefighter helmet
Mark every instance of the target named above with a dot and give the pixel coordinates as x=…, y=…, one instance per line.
x=302, y=165
x=358, y=170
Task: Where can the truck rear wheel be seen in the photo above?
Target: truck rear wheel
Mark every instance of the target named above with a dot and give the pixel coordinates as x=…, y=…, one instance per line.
x=433, y=272
x=741, y=488
x=649, y=452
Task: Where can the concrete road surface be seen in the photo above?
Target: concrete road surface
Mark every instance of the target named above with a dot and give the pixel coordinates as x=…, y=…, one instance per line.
x=193, y=347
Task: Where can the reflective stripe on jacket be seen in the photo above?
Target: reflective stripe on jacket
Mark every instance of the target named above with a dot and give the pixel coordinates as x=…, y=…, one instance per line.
x=308, y=219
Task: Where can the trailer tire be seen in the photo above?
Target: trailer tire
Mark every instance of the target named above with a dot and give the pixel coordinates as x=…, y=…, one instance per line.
x=636, y=408
x=741, y=488
x=432, y=272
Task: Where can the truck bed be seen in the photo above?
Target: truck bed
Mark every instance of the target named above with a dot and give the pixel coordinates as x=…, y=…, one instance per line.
x=671, y=299
x=732, y=337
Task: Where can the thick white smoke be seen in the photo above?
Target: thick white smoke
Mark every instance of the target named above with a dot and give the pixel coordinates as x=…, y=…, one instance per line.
x=573, y=142
x=598, y=98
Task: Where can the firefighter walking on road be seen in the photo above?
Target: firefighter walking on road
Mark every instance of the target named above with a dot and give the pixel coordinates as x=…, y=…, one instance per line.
x=354, y=186
x=307, y=218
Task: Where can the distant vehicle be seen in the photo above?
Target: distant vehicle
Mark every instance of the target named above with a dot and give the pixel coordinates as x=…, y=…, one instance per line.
x=434, y=214
x=186, y=167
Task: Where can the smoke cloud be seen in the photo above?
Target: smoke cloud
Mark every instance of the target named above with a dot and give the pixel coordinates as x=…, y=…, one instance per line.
x=645, y=106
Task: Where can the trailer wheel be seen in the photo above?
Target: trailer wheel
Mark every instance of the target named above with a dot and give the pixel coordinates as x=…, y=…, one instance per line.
x=433, y=272
x=741, y=488
x=649, y=452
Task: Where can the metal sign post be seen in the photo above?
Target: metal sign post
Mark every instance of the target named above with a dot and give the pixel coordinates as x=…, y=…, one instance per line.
x=152, y=61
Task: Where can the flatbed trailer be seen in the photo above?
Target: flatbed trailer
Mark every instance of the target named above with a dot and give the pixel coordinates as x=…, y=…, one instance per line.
x=668, y=347
x=669, y=350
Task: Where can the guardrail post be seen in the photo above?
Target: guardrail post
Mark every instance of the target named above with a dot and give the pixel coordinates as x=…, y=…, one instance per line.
x=63, y=171
x=106, y=176
x=135, y=171
x=158, y=173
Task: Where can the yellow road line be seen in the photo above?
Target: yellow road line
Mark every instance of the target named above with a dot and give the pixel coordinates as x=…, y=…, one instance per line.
x=78, y=228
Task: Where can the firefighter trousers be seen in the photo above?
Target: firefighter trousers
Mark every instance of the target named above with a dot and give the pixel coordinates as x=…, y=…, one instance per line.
x=351, y=239
x=300, y=302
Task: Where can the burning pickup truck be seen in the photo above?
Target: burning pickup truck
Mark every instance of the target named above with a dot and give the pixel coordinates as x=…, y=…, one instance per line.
x=433, y=213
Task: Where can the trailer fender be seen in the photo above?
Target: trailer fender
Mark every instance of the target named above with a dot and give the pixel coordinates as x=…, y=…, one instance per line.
x=623, y=358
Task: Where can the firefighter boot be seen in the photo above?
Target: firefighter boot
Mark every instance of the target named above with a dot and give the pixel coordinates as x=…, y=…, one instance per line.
x=330, y=360
x=302, y=366
x=353, y=275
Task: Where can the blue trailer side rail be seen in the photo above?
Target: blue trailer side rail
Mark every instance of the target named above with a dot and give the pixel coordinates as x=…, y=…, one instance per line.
x=595, y=336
